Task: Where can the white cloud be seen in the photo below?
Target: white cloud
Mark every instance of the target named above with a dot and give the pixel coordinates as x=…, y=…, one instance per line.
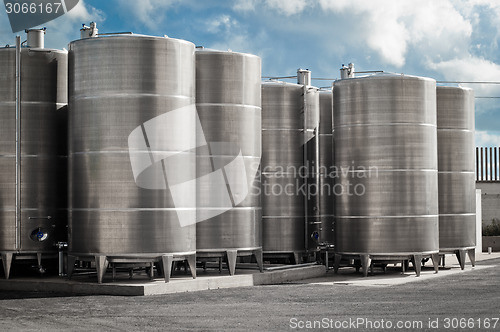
x=245, y=5
x=222, y=22
x=470, y=68
x=151, y=13
x=288, y=7
x=391, y=28
x=486, y=139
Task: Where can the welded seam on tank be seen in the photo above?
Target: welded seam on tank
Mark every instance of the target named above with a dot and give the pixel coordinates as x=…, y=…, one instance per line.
x=282, y=129
x=416, y=124
x=457, y=214
x=379, y=255
x=229, y=105
x=455, y=129
x=387, y=217
x=131, y=209
x=345, y=170
x=109, y=95
x=32, y=103
x=300, y=216
x=457, y=172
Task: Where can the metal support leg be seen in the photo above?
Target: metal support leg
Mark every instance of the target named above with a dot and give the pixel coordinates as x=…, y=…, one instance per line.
x=435, y=261
x=71, y=265
x=403, y=267
x=101, y=264
x=365, y=263
x=39, y=259
x=192, y=264
x=297, y=258
x=472, y=256
x=326, y=260
x=231, y=261
x=167, y=266
x=417, y=264
x=259, y=258
x=336, y=262
x=7, y=263
x=461, y=253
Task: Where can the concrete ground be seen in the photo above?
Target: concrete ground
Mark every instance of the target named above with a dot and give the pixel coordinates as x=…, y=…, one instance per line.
x=467, y=300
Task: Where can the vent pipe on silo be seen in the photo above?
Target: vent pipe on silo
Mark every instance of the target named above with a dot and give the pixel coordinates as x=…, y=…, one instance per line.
x=35, y=38
x=347, y=72
x=304, y=77
x=89, y=32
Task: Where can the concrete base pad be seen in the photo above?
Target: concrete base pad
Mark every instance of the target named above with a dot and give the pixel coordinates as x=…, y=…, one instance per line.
x=206, y=280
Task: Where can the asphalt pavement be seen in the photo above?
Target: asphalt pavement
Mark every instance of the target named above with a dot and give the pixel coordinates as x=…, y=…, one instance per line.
x=464, y=301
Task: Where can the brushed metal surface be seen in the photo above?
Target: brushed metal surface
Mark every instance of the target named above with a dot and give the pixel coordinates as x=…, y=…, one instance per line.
x=115, y=85
x=457, y=200
x=228, y=100
x=386, y=147
x=290, y=116
x=43, y=148
x=326, y=181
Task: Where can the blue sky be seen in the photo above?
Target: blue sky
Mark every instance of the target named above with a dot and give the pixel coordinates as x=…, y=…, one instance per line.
x=445, y=39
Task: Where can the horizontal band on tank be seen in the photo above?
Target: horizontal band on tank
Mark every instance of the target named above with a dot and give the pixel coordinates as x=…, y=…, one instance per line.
x=456, y=214
x=250, y=208
x=111, y=256
x=453, y=250
x=388, y=217
x=229, y=105
x=326, y=134
x=411, y=124
x=28, y=210
x=456, y=172
x=32, y=156
x=455, y=129
x=282, y=174
x=110, y=95
x=132, y=209
x=13, y=103
x=283, y=217
x=282, y=129
x=223, y=250
x=29, y=252
x=381, y=255
x=382, y=170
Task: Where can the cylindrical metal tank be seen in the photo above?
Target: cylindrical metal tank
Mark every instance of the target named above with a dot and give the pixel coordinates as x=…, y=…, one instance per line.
x=326, y=175
x=33, y=218
x=457, y=200
x=289, y=125
x=228, y=101
x=386, y=158
x=132, y=163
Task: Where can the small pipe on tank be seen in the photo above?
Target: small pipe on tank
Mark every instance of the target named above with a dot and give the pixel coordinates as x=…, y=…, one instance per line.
x=35, y=38
x=18, y=142
x=89, y=31
x=304, y=77
x=347, y=72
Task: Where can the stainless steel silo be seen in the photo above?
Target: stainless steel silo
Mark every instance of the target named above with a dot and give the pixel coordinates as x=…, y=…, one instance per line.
x=386, y=189
x=33, y=99
x=290, y=114
x=228, y=101
x=325, y=170
x=132, y=154
x=457, y=200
